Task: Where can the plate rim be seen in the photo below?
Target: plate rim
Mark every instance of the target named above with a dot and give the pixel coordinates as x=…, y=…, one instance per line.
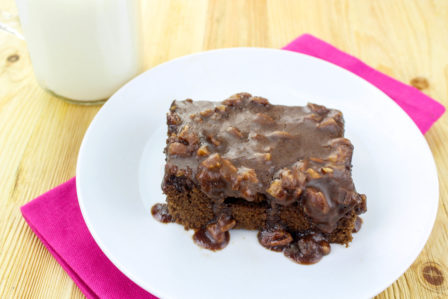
x=84, y=144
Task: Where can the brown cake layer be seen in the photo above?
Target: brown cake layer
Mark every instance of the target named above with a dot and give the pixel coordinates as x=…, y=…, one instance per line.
x=245, y=163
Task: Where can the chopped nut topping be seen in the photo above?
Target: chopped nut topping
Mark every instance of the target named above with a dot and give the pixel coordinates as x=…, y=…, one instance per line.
x=228, y=170
x=276, y=190
x=274, y=238
x=247, y=174
x=267, y=156
x=188, y=136
x=173, y=108
x=327, y=170
x=315, y=201
x=236, y=99
x=179, y=149
x=184, y=131
x=314, y=117
x=317, y=160
x=206, y=113
x=287, y=179
x=212, y=162
x=258, y=137
x=226, y=223
x=327, y=123
x=332, y=158
x=215, y=141
x=260, y=100
x=220, y=108
x=173, y=119
x=203, y=151
x=235, y=132
x=280, y=134
x=319, y=109
x=312, y=173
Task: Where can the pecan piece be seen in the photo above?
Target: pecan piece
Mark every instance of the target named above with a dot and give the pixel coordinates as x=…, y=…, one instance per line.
x=315, y=202
x=317, y=160
x=276, y=190
x=319, y=109
x=226, y=223
x=280, y=134
x=313, y=117
x=206, y=113
x=203, y=151
x=326, y=170
x=173, y=119
x=328, y=122
x=235, y=132
x=313, y=174
x=178, y=149
x=228, y=170
x=212, y=162
x=274, y=239
x=236, y=99
x=190, y=137
x=260, y=101
x=264, y=156
x=247, y=174
x=220, y=108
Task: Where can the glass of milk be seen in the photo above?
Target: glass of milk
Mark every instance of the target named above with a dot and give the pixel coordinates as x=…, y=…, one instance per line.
x=82, y=50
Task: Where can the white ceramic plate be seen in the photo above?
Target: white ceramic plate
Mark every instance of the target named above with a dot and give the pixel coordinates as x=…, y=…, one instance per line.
x=120, y=169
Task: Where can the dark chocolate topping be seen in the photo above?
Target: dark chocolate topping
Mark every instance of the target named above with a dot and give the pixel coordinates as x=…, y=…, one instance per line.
x=245, y=147
x=160, y=212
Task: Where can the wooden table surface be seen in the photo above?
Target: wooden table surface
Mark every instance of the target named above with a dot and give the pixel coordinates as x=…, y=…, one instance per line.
x=40, y=135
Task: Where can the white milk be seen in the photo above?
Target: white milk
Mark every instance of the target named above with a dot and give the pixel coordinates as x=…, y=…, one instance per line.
x=82, y=49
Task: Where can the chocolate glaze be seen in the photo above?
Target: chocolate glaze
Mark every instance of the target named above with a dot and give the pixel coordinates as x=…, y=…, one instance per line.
x=160, y=212
x=204, y=240
x=308, y=250
x=216, y=235
x=245, y=147
x=274, y=238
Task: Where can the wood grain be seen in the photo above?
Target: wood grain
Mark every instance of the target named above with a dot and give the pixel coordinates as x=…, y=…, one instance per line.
x=40, y=135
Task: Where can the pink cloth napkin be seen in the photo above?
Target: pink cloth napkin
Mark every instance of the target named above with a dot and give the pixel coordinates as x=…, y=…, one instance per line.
x=56, y=219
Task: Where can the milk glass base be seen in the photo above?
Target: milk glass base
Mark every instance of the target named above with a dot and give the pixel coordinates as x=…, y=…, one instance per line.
x=77, y=102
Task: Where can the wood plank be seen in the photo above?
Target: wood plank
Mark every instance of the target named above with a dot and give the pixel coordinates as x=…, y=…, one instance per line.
x=40, y=135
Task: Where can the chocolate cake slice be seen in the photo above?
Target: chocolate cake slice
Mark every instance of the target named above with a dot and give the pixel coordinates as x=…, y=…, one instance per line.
x=245, y=163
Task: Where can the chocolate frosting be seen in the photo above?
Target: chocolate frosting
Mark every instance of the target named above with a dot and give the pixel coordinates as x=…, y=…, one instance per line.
x=245, y=147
